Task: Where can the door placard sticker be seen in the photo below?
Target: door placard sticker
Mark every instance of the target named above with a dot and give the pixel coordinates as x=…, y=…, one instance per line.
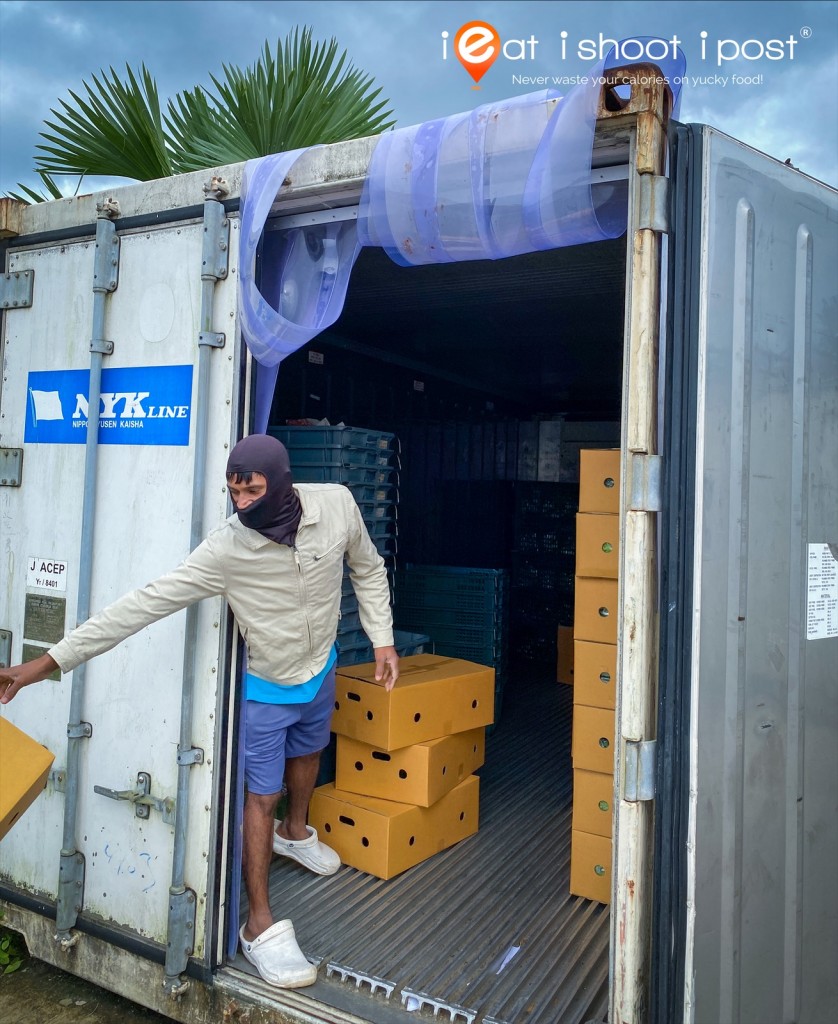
x=821, y=593
x=46, y=573
x=149, y=405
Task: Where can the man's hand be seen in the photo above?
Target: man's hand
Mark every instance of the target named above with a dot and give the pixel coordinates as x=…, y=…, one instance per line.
x=386, y=666
x=15, y=678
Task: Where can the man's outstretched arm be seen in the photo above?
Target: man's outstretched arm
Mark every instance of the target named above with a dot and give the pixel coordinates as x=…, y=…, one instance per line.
x=17, y=676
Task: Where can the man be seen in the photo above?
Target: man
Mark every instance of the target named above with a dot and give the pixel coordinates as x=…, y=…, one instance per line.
x=279, y=563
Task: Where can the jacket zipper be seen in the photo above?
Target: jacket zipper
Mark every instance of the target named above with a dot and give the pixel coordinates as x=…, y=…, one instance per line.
x=303, y=601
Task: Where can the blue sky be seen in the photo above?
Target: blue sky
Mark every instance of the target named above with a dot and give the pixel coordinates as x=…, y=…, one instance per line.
x=766, y=73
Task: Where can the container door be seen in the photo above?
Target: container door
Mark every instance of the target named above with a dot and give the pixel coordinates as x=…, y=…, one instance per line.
x=128, y=771
x=750, y=621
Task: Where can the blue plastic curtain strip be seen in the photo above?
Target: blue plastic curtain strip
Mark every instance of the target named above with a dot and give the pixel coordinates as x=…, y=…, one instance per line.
x=504, y=179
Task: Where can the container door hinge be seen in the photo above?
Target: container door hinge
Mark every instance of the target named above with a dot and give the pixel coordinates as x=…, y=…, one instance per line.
x=16, y=289
x=194, y=755
x=70, y=892
x=211, y=339
x=140, y=796
x=11, y=467
x=181, y=941
x=639, y=778
x=646, y=483
x=216, y=248
x=653, y=198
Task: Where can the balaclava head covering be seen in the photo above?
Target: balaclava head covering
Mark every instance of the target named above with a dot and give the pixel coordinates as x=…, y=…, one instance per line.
x=277, y=513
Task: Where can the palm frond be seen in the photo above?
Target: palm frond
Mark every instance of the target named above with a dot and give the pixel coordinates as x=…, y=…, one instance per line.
x=30, y=196
x=302, y=94
x=115, y=130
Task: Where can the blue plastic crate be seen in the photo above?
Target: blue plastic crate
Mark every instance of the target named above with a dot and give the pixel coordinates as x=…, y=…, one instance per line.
x=407, y=644
x=335, y=474
x=350, y=621
x=353, y=437
x=432, y=617
x=408, y=594
x=374, y=493
x=303, y=457
x=455, y=579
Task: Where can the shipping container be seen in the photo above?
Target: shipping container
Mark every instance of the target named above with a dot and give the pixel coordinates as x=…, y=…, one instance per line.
x=700, y=344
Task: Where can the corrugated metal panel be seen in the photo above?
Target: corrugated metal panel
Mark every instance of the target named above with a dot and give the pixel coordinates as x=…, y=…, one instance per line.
x=765, y=819
x=439, y=935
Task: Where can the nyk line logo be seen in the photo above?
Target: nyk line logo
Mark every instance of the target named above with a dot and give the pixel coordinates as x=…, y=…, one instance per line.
x=148, y=405
x=477, y=46
x=47, y=406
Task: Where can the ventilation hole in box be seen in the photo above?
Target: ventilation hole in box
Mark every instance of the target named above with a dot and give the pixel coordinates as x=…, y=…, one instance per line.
x=417, y=716
x=603, y=805
x=345, y=820
x=327, y=827
x=599, y=870
x=369, y=716
x=444, y=769
x=462, y=815
x=607, y=548
x=365, y=841
x=605, y=677
x=604, y=612
x=379, y=755
x=337, y=705
x=604, y=742
x=359, y=766
x=608, y=481
x=411, y=841
x=354, y=696
x=474, y=703
x=402, y=773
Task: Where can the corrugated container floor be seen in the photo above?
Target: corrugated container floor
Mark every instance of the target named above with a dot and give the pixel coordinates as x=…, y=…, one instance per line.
x=443, y=935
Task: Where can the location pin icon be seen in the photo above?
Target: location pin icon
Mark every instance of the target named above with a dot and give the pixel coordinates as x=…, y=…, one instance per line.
x=477, y=46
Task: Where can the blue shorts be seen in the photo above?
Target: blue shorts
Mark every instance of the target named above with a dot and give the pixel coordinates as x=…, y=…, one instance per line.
x=274, y=732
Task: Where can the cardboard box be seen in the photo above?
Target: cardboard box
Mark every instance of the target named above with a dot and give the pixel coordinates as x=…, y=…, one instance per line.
x=594, y=674
x=595, y=610
x=564, y=645
x=24, y=767
x=433, y=697
x=599, y=480
x=597, y=545
x=419, y=774
x=385, y=838
x=593, y=802
x=590, y=866
x=593, y=738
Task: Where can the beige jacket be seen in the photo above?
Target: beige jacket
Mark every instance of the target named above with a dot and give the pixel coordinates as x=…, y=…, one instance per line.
x=286, y=600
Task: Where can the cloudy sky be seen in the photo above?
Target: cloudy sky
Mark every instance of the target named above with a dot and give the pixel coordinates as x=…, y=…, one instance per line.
x=765, y=72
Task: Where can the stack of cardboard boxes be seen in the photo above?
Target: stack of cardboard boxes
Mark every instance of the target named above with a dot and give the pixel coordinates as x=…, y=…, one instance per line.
x=594, y=672
x=404, y=788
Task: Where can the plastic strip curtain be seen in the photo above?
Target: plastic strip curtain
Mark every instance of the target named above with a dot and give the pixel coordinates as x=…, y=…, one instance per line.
x=304, y=275
x=504, y=179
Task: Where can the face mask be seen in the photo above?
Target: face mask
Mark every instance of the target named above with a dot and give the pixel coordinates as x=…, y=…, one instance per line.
x=277, y=513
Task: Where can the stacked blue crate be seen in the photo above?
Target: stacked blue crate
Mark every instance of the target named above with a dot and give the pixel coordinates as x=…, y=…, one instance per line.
x=367, y=462
x=543, y=566
x=463, y=610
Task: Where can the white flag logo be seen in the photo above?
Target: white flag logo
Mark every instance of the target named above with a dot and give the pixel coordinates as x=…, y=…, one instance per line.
x=46, y=405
